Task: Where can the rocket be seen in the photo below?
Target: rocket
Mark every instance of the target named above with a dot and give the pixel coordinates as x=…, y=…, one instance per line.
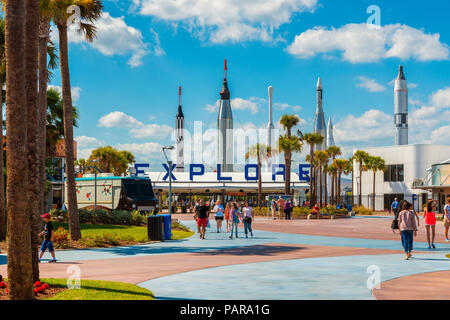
x=270, y=127
x=179, y=129
x=330, y=136
x=401, y=109
x=225, y=127
x=319, y=121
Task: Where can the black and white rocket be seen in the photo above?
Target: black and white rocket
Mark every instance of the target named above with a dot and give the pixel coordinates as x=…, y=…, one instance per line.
x=319, y=121
x=401, y=109
x=225, y=128
x=179, y=127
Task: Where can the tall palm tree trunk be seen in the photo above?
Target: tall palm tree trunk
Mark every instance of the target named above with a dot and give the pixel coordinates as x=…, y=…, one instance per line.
x=74, y=221
x=353, y=187
x=320, y=186
x=2, y=182
x=19, y=249
x=44, y=35
x=373, y=195
x=33, y=146
x=325, y=187
x=287, y=181
x=259, y=183
x=360, y=184
x=339, y=188
x=332, y=188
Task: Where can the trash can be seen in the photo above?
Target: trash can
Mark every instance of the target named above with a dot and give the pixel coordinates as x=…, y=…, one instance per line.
x=167, y=219
x=155, y=227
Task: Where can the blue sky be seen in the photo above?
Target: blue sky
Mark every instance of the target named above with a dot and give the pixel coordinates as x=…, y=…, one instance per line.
x=126, y=82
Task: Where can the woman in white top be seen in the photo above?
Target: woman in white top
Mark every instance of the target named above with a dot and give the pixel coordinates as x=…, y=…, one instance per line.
x=219, y=211
x=248, y=214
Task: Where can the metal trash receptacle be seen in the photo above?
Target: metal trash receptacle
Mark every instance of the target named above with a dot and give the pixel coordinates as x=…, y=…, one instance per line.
x=155, y=228
x=167, y=219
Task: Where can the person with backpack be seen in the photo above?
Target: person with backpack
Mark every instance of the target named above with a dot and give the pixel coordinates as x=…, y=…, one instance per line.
x=49, y=237
x=408, y=227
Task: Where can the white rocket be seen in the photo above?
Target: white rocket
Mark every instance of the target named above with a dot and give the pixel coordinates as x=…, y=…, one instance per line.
x=270, y=127
x=401, y=109
x=179, y=127
x=330, y=136
x=225, y=128
x=319, y=121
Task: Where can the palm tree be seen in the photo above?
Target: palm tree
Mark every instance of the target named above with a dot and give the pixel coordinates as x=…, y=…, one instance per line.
x=262, y=153
x=289, y=144
x=18, y=217
x=333, y=171
x=375, y=164
x=333, y=152
x=112, y=160
x=312, y=139
x=341, y=166
x=352, y=171
x=90, y=11
x=322, y=160
x=360, y=157
x=2, y=82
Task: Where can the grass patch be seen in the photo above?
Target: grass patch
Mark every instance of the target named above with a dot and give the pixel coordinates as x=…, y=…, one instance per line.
x=100, y=290
x=100, y=235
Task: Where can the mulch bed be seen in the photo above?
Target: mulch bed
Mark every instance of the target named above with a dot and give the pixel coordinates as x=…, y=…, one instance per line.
x=50, y=292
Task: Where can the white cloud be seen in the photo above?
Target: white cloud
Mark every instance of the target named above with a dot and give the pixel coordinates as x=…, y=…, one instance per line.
x=286, y=106
x=373, y=125
x=441, y=135
x=222, y=21
x=370, y=84
x=118, y=119
x=76, y=91
x=84, y=141
x=141, y=149
x=115, y=37
x=84, y=153
x=359, y=43
x=441, y=98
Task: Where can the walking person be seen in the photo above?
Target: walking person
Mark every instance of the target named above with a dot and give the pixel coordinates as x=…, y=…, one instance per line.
x=248, y=215
x=235, y=216
x=430, y=223
x=280, y=207
x=202, y=215
x=447, y=218
x=287, y=210
x=219, y=215
x=49, y=237
x=395, y=206
x=408, y=227
x=274, y=208
x=227, y=215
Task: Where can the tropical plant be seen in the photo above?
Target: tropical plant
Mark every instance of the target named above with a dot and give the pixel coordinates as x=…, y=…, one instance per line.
x=289, y=144
x=262, y=153
x=110, y=159
x=360, y=157
x=341, y=166
x=90, y=11
x=312, y=139
x=322, y=161
x=18, y=14
x=333, y=152
x=375, y=164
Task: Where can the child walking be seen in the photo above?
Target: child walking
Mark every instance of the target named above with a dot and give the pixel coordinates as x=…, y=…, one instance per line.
x=48, y=234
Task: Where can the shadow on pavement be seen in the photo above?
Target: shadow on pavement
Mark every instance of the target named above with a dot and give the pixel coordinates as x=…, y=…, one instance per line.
x=260, y=250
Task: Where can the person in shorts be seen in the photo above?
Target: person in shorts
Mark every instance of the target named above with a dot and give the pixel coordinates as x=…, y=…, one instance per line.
x=219, y=215
x=202, y=215
x=430, y=223
x=48, y=234
x=447, y=218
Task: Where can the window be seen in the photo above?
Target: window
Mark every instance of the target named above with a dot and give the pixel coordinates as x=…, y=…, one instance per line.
x=394, y=173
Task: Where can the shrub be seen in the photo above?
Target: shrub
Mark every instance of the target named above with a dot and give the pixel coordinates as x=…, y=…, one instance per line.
x=177, y=225
x=362, y=210
x=61, y=238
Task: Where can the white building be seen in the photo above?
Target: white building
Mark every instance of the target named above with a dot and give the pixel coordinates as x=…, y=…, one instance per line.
x=406, y=164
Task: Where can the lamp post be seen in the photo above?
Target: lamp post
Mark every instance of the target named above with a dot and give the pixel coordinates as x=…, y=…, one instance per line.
x=169, y=162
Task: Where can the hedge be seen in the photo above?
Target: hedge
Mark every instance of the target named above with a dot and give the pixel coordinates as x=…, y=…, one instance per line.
x=127, y=218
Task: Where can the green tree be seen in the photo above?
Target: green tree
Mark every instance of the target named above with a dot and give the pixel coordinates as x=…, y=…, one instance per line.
x=375, y=164
x=333, y=152
x=341, y=166
x=360, y=157
x=110, y=159
x=322, y=161
x=90, y=11
x=289, y=144
x=260, y=152
x=313, y=139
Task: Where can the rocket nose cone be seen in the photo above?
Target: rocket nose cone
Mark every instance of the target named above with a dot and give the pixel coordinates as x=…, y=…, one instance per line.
x=319, y=83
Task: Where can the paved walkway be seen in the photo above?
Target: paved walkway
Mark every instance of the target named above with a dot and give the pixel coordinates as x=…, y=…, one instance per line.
x=285, y=260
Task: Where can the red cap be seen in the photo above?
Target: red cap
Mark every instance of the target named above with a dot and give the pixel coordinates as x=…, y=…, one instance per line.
x=46, y=215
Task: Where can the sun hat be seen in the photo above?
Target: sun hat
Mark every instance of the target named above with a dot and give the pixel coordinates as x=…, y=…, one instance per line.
x=46, y=215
